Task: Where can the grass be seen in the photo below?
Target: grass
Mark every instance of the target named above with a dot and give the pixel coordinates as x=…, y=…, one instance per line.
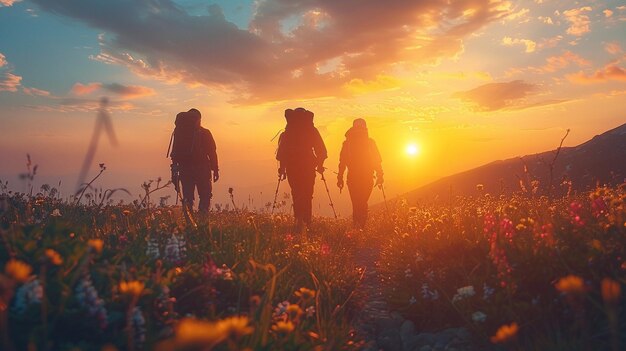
x=135, y=276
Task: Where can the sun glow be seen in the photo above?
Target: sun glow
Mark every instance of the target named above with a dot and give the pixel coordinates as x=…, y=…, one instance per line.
x=412, y=149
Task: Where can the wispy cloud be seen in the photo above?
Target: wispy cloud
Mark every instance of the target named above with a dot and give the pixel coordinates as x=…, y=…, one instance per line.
x=85, y=89
x=125, y=91
x=496, y=96
x=558, y=62
x=529, y=44
x=607, y=73
x=278, y=57
x=503, y=96
x=9, y=81
x=613, y=48
x=35, y=92
x=8, y=2
x=3, y=60
x=579, y=21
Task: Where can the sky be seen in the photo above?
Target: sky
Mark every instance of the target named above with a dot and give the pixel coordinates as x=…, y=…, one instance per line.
x=465, y=82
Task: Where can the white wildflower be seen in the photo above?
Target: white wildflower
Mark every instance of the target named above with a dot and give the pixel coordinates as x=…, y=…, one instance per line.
x=479, y=316
x=463, y=293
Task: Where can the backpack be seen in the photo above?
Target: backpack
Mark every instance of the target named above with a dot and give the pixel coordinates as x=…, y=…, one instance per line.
x=299, y=118
x=183, y=137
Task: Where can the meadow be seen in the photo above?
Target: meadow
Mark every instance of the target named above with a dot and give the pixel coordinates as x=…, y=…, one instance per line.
x=518, y=272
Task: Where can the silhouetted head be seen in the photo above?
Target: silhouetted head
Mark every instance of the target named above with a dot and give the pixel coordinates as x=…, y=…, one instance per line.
x=359, y=123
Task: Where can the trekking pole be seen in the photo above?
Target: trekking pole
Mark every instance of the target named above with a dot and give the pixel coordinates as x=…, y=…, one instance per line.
x=329, y=198
x=276, y=194
x=382, y=188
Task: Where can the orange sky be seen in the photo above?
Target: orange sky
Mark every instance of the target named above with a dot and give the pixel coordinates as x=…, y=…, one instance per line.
x=468, y=82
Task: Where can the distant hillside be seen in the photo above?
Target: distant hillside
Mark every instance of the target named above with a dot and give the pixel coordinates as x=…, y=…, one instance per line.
x=599, y=160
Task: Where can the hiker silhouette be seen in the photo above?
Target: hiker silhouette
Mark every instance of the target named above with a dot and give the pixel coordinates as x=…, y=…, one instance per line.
x=359, y=154
x=194, y=158
x=301, y=152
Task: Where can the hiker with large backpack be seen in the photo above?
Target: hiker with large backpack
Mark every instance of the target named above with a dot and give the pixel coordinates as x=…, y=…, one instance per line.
x=301, y=152
x=194, y=160
x=359, y=154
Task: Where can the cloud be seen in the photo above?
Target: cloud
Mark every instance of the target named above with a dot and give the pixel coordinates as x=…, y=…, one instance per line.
x=609, y=72
x=607, y=13
x=579, y=21
x=277, y=57
x=35, y=92
x=546, y=20
x=558, y=62
x=529, y=44
x=3, y=60
x=613, y=48
x=85, y=89
x=125, y=91
x=9, y=81
x=129, y=91
x=498, y=96
x=8, y=2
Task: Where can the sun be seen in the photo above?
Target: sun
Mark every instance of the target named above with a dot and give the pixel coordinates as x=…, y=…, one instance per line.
x=412, y=149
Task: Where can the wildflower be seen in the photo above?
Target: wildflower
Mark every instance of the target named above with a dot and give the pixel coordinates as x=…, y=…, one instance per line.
x=175, y=249
x=412, y=300
x=505, y=333
x=96, y=245
x=139, y=327
x=191, y=330
x=570, y=284
x=305, y=294
x=611, y=291
x=464, y=292
x=28, y=294
x=282, y=327
x=281, y=308
x=294, y=312
x=88, y=299
x=487, y=291
x=18, y=270
x=324, y=249
x=407, y=273
x=54, y=257
x=56, y=213
x=225, y=272
x=126, y=212
x=132, y=288
x=235, y=327
x=152, y=250
x=480, y=187
x=310, y=311
x=479, y=316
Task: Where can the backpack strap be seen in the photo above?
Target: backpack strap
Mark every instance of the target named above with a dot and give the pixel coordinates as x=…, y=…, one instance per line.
x=169, y=147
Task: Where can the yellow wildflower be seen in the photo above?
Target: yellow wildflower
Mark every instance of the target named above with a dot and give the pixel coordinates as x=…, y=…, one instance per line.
x=611, y=291
x=570, y=284
x=18, y=270
x=235, y=327
x=293, y=311
x=305, y=294
x=54, y=257
x=95, y=244
x=282, y=327
x=133, y=287
x=191, y=330
x=505, y=333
